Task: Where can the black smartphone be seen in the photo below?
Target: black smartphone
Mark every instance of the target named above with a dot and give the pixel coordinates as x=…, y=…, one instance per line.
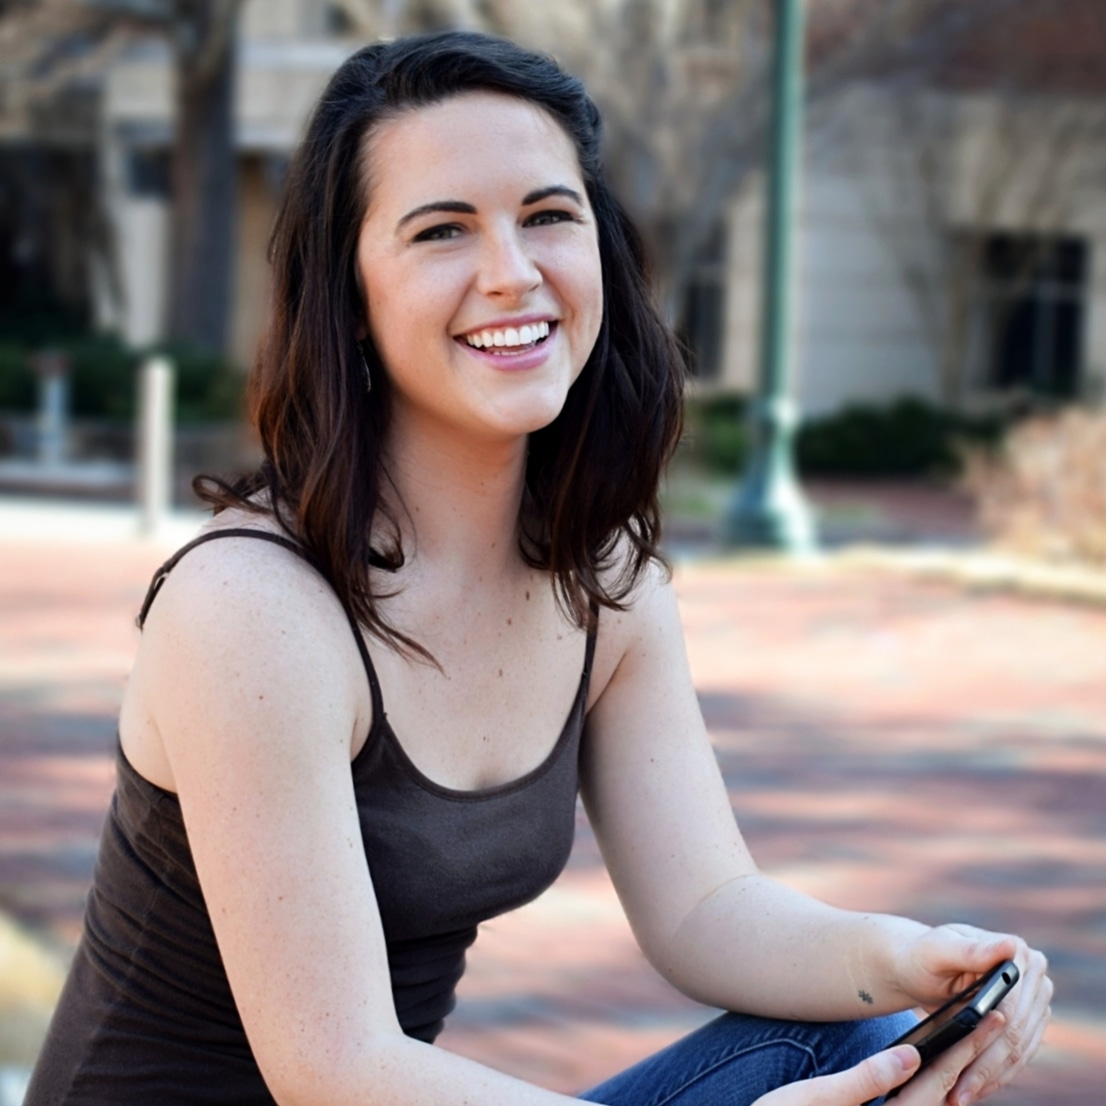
x=957, y=1018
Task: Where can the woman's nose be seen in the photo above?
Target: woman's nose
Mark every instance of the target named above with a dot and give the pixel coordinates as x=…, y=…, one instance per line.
x=507, y=267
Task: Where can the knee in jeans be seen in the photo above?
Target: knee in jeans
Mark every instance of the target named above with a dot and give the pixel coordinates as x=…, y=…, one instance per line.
x=857, y=1040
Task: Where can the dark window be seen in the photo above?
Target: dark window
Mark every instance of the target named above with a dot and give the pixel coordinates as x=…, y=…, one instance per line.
x=703, y=311
x=1036, y=290
x=148, y=172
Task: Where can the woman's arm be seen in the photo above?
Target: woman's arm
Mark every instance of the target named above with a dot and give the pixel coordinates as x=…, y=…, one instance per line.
x=703, y=913
x=707, y=919
x=254, y=684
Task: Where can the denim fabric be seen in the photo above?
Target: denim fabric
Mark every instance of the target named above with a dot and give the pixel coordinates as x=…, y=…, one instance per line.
x=736, y=1058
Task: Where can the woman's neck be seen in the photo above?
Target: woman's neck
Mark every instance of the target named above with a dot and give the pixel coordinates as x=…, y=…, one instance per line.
x=459, y=503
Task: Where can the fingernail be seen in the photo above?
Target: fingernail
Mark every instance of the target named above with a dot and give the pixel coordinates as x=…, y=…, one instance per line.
x=906, y=1059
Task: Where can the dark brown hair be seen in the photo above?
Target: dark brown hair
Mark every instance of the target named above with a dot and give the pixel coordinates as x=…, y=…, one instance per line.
x=592, y=518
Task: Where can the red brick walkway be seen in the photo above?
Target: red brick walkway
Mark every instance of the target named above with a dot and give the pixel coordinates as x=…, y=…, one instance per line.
x=888, y=743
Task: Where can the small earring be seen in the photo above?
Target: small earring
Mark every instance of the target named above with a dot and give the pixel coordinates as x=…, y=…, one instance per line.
x=365, y=366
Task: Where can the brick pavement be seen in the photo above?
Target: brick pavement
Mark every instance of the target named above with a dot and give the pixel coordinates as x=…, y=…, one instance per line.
x=889, y=743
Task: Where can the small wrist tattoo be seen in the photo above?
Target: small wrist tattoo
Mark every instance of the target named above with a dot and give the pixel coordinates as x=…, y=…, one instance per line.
x=864, y=997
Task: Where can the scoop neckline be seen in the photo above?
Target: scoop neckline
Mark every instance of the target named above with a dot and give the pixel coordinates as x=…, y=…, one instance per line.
x=381, y=729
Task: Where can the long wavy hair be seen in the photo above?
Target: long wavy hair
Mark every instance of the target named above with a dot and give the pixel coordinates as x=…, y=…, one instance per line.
x=591, y=517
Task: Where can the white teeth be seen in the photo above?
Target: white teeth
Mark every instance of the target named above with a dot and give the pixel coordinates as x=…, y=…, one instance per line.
x=509, y=336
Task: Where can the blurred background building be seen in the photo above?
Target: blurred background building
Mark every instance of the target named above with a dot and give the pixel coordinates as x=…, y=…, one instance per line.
x=286, y=52
x=953, y=222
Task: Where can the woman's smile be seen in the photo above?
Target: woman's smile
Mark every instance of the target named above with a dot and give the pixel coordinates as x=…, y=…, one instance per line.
x=509, y=339
x=514, y=348
x=498, y=255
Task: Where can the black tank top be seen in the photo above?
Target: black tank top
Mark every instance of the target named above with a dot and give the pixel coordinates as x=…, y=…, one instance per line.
x=146, y=1014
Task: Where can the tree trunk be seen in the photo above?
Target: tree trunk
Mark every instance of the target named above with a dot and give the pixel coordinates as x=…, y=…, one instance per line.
x=204, y=177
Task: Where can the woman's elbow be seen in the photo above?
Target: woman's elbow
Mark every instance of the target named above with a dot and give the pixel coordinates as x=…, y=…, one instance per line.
x=339, y=1069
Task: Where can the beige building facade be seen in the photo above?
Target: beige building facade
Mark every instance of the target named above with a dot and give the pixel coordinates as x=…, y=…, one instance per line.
x=970, y=279
x=929, y=264
x=289, y=49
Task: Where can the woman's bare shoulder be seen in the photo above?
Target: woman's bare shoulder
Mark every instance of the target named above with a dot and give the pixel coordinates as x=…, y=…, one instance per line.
x=241, y=619
x=235, y=567
x=621, y=630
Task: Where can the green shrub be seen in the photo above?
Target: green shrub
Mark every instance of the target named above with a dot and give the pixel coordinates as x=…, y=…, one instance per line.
x=103, y=376
x=17, y=385
x=716, y=434
x=907, y=438
x=103, y=379
x=209, y=387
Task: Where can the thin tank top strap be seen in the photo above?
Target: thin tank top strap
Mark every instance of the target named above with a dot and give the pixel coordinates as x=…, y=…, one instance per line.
x=589, y=654
x=237, y=532
x=593, y=633
x=367, y=662
x=248, y=532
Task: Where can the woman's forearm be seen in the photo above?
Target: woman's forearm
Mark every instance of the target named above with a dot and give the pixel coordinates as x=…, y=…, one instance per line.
x=757, y=946
x=394, y=1070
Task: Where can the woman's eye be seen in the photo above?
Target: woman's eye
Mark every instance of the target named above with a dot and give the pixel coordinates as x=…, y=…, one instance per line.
x=547, y=218
x=439, y=233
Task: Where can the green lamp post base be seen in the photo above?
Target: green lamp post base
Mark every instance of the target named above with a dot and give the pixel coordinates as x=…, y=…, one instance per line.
x=769, y=511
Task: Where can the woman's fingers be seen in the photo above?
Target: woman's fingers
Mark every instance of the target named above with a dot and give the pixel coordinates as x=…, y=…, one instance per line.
x=947, y=958
x=931, y=1087
x=886, y=1070
x=1027, y=1010
x=870, y=1079
x=944, y=960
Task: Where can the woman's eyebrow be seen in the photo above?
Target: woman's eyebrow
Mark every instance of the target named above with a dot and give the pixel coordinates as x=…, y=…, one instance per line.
x=456, y=207
x=540, y=194
x=459, y=207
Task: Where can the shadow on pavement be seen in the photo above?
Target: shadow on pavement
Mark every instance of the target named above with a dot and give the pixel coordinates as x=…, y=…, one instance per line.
x=889, y=744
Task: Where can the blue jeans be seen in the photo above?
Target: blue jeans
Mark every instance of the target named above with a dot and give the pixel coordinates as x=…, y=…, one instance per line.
x=736, y=1058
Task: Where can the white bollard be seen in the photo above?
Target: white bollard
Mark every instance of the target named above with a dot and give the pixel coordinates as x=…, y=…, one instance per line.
x=153, y=483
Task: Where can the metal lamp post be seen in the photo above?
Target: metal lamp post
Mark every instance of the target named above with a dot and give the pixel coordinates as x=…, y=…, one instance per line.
x=769, y=511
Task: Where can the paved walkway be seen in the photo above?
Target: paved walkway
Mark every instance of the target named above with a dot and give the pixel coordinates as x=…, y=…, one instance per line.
x=890, y=742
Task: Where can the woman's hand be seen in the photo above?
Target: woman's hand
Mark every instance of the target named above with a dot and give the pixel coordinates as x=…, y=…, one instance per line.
x=886, y=1070
x=931, y=968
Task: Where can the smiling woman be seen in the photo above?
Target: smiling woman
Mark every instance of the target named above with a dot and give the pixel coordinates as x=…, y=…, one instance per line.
x=368, y=694
x=509, y=250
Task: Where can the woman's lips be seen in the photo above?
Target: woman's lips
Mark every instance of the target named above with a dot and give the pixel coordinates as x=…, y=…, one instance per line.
x=517, y=358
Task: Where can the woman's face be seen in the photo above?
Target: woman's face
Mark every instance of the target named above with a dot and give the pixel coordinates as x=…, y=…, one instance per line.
x=479, y=262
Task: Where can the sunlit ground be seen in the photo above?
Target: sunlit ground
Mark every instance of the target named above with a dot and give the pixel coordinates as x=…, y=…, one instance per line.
x=889, y=743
